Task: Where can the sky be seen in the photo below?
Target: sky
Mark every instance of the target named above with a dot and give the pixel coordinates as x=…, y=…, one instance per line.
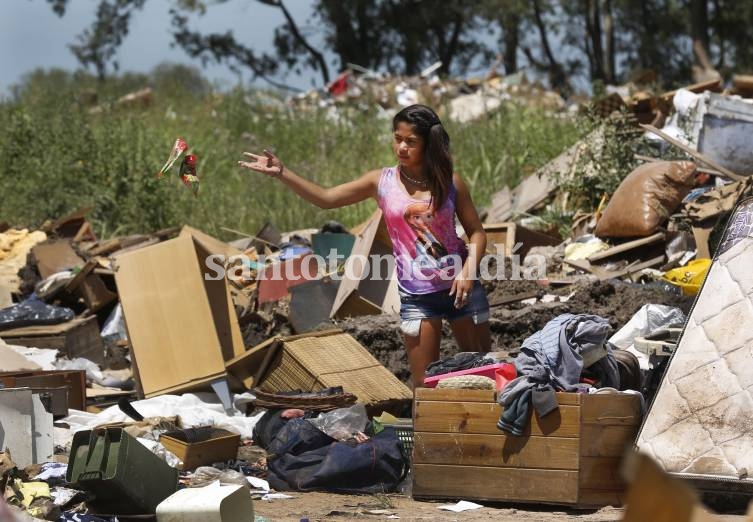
x=33, y=36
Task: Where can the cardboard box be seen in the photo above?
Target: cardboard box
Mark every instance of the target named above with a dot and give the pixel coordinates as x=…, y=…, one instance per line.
x=78, y=337
x=571, y=456
x=363, y=294
x=220, y=447
x=181, y=325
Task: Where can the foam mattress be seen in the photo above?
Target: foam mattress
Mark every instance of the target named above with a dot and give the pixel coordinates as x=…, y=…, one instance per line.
x=700, y=423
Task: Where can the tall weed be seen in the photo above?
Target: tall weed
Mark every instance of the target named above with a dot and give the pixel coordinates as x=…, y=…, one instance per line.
x=57, y=156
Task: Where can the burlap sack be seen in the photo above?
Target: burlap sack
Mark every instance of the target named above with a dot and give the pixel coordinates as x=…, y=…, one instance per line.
x=645, y=199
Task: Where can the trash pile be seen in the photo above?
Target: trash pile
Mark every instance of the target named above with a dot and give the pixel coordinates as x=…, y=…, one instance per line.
x=172, y=373
x=89, y=326
x=465, y=99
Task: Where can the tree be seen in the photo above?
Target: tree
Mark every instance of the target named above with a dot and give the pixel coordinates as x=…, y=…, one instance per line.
x=402, y=36
x=98, y=45
x=597, y=40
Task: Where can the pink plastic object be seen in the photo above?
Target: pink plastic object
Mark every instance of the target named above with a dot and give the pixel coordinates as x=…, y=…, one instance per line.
x=504, y=375
x=487, y=371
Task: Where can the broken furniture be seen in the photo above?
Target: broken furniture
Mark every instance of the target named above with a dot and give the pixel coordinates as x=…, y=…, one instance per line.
x=25, y=426
x=368, y=285
x=180, y=318
x=65, y=388
x=501, y=238
x=78, y=337
x=314, y=361
x=571, y=456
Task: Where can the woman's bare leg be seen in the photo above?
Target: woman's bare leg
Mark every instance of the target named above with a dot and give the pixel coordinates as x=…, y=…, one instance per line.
x=423, y=349
x=471, y=337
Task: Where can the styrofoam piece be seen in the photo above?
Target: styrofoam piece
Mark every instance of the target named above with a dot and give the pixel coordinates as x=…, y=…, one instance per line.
x=25, y=427
x=213, y=503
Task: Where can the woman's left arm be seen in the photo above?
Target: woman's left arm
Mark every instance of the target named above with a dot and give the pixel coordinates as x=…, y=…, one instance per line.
x=471, y=223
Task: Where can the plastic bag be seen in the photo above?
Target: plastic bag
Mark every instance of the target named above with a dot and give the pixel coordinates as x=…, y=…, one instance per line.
x=33, y=311
x=645, y=199
x=649, y=318
x=689, y=277
x=205, y=475
x=342, y=423
x=114, y=328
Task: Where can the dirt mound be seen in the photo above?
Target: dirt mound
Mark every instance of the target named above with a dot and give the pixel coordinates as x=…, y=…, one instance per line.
x=512, y=324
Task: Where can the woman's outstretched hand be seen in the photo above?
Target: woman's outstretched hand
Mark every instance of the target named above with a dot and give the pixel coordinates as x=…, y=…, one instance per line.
x=268, y=163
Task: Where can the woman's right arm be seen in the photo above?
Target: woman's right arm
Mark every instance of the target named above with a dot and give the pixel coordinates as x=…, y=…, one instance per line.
x=332, y=197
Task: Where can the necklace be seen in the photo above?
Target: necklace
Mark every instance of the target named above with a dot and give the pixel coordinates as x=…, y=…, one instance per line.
x=416, y=182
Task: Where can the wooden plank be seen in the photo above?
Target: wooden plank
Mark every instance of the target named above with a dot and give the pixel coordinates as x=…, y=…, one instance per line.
x=506, y=485
x=481, y=418
x=450, y=395
x=611, y=409
x=714, y=85
x=624, y=247
x=601, y=473
x=606, y=441
x=499, y=451
x=514, y=298
x=456, y=395
x=500, y=234
x=600, y=497
x=697, y=155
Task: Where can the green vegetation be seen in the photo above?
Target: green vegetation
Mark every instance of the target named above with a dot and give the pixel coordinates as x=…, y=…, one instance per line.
x=58, y=156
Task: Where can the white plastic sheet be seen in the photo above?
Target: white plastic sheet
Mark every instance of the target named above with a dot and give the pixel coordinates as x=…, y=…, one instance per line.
x=193, y=409
x=649, y=318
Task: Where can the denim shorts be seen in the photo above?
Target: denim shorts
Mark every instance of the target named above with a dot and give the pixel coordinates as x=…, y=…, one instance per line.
x=415, y=307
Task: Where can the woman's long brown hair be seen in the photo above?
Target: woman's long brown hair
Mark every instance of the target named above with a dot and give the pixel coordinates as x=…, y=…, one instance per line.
x=438, y=167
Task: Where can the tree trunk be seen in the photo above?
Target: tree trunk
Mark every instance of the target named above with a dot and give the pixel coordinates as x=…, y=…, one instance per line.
x=609, y=64
x=593, y=26
x=699, y=24
x=511, y=27
x=557, y=76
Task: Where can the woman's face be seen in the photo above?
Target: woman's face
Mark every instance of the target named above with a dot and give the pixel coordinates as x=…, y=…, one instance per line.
x=408, y=147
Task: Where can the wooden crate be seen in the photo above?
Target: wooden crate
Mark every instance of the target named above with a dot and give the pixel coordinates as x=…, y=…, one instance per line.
x=78, y=337
x=572, y=456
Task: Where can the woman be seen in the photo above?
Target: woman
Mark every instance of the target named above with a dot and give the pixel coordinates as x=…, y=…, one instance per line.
x=419, y=198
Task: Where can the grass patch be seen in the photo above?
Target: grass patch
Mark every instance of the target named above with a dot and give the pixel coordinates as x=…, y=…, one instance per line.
x=57, y=156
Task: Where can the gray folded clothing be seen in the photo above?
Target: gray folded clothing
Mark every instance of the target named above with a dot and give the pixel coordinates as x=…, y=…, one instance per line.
x=515, y=415
x=544, y=400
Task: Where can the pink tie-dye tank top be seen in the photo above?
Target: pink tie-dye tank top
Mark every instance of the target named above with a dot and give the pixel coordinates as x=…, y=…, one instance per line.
x=428, y=252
